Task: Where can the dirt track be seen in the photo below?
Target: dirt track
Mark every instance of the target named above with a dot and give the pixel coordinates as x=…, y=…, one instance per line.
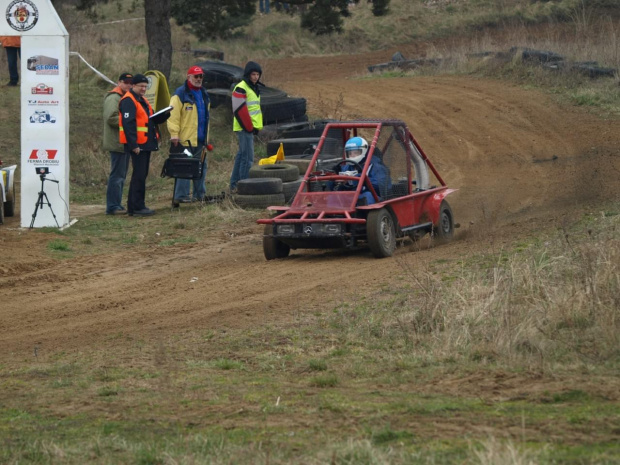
x=519, y=160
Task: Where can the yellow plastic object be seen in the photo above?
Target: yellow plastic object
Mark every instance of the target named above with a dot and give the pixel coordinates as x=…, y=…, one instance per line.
x=279, y=156
x=158, y=94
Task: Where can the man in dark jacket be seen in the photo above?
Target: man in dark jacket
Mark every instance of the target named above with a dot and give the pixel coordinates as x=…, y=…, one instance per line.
x=119, y=160
x=138, y=131
x=248, y=120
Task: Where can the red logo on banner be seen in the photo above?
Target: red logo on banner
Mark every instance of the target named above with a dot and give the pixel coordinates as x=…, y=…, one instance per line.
x=37, y=154
x=42, y=89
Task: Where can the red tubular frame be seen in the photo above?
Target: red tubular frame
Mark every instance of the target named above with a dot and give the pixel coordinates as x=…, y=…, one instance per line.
x=425, y=203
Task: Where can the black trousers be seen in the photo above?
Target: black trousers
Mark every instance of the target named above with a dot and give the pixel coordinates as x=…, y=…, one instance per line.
x=137, y=186
x=12, y=54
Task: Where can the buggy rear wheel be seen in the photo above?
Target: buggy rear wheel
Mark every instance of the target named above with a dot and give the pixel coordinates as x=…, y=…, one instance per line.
x=272, y=247
x=444, y=230
x=381, y=233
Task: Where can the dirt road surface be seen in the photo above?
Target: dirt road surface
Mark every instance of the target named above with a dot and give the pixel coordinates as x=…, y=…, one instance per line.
x=520, y=161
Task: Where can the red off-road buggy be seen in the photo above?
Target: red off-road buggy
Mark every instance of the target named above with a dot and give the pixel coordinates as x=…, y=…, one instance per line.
x=407, y=203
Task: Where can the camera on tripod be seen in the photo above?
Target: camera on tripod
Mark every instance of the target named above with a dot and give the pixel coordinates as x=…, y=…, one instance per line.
x=42, y=171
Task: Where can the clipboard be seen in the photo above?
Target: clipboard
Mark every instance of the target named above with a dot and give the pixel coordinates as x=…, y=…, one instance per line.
x=163, y=110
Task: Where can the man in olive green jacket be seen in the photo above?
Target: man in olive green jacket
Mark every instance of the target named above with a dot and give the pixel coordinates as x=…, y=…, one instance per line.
x=119, y=160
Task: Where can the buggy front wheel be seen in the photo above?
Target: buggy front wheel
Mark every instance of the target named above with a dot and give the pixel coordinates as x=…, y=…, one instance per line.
x=381, y=233
x=272, y=247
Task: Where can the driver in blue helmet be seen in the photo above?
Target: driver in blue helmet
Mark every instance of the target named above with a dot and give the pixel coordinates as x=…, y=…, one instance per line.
x=356, y=150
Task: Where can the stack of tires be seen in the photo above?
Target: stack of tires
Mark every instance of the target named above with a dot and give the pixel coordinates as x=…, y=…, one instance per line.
x=268, y=185
x=277, y=107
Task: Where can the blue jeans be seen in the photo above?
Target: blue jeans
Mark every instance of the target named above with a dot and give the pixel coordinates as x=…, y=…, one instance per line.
x=244, y=158
x=263, y=6
x=12, y=54
x=181, y=189
x=119, y=164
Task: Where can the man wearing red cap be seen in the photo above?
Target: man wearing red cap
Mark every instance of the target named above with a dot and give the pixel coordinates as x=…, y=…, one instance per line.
x=189, y=121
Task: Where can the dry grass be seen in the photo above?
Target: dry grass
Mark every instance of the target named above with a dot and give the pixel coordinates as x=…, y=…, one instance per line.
x=549, y=304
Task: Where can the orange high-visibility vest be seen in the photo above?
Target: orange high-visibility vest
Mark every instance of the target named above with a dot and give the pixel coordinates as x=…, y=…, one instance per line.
x=142, y=121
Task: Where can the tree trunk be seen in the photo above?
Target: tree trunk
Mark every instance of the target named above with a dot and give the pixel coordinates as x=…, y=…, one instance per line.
x=158, y=35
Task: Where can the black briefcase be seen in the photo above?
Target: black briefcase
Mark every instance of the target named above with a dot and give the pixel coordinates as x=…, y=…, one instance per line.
x=181, y=165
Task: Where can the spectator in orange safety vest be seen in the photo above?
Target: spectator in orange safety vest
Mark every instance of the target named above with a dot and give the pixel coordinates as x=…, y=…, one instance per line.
x=12, y=45
x=138, y=131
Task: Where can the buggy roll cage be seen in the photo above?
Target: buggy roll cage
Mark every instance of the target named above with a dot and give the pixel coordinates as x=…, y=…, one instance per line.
x=309, y=205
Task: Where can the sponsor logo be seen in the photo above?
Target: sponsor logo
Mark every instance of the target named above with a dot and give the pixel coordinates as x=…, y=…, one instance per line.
x=43, y=65
x=45, y=157
x=43, y=103
x=42, y=89
x=308, y=229
x=22, y=15
x=42, y=116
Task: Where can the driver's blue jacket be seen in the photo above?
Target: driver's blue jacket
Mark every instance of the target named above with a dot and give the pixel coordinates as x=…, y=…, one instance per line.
x=378, y=174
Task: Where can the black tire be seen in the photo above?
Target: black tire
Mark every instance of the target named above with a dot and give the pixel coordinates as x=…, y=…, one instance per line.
x=220, y=75
x=542, y=56
x=289, y=189
x=273, y=248
x=258, y=201
x=304, y=145
x=291, y=145
x=286, y=109
x=444, y=229
x=276, y=131
x=1, y=212
x=9, y=205
x=381, y=233
x=283, y=171
x=301, y=163
x=302, y=133
x=268, y=93
x=259, y=186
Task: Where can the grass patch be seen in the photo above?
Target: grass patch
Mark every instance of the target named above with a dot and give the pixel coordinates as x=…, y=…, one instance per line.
x=58, y=246
x=324, y=381
x=317, y=365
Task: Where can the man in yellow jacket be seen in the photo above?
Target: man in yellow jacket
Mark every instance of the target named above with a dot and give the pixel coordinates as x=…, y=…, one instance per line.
x=12, y=45
x=189, y=121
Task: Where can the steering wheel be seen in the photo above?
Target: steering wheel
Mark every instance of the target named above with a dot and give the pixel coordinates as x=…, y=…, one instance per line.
x=355, y=164
x=341, y=184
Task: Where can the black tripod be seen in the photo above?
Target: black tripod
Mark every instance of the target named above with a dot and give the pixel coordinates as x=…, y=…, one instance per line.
x=40, y=202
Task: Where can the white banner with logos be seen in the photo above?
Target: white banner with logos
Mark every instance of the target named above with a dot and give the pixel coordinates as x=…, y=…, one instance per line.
x=44, y=80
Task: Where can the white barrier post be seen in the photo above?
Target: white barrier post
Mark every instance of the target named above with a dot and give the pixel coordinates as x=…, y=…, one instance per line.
x=44, y=108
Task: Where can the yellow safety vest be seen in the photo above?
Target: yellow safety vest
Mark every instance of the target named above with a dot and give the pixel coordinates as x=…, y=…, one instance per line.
x=253, y=104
